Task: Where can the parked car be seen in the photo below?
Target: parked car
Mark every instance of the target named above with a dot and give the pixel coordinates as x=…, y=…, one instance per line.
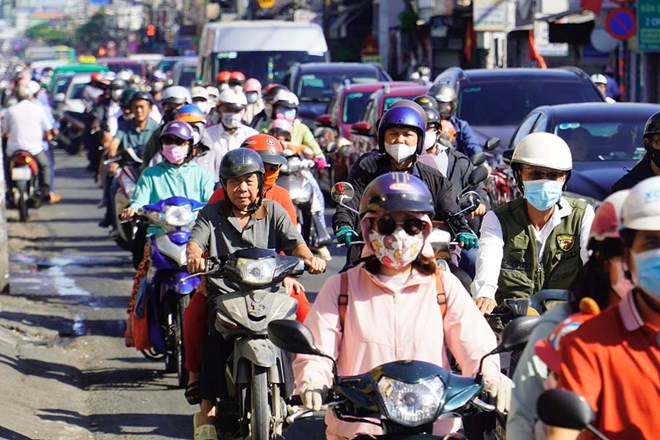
x=348, y=103
x=363, y=132
x=316, y=83
x=495, y=101
x=184, y=72
x=606, y=140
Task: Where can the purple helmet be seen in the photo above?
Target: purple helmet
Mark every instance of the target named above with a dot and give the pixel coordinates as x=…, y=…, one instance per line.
x=405, y=113
x=397, y=192
x=179, y=129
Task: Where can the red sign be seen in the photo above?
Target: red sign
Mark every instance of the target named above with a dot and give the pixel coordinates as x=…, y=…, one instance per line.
x=621, y=23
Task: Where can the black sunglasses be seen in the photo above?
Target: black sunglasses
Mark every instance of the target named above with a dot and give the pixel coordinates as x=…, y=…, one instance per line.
x=169, y=140
x=387, y=225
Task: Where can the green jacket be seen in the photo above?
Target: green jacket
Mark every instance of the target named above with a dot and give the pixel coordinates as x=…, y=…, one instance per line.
x=521, y=275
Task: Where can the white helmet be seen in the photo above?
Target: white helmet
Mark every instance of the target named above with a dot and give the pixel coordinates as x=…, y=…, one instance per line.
x=125, y=75
x=232, y=96
x=176, y=95
x=286, y=98
x=598, y=78
x=543, y=150
x=641, y=209
x=199, y=92
x=212, y=91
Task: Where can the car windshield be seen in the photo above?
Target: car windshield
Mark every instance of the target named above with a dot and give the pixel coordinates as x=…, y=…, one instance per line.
x=389, y=102
x=188, y=75
x=267, y=67
x=507, y=103
x=603, y=140
x=320, y=87
x=354, y=104
x=77, y=91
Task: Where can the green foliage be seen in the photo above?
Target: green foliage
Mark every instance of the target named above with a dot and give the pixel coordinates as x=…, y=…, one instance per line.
x=91, y=34
x=48, y=34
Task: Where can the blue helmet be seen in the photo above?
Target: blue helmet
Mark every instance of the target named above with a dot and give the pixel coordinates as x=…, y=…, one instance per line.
x=397, y=192
x=404, y=113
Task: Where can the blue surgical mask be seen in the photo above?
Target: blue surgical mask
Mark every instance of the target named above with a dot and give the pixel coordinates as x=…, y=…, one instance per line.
x=543, y=194
x=288, y=114
x=647, y=272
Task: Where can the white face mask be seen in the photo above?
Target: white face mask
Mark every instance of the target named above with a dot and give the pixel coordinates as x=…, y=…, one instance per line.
x=429, y=139
x=400, y=152
x=203, y=106
x=232, y=120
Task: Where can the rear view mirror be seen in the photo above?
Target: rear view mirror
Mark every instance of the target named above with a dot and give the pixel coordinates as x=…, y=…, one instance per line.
x=566, y=409
x=507, y=155
x=469, y=201
x=478, y=175
x=324, y=120
x=492, y=143
x=477, y=159
x=342, y=192
x=292, y=336
x=516, y=334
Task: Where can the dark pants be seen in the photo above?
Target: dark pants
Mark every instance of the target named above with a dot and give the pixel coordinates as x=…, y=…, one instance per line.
x=45, y=178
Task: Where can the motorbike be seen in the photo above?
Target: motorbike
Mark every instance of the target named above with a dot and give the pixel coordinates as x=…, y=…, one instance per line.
x=403, y=397
x=70, y=136
x=566, y=409
x=258, y=373
x=127, y=175
x=501, y=183
x=168, y=285
x=295, y=176
x=24, y=183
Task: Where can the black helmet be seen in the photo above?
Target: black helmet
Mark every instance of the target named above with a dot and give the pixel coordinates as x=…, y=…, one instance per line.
x=446, y=95
x=142, y=96
x=426, y=101
x=432, y=117
x=397, y=192
x=239, y=162
x=652, y=126
x=127, y=96
x=118, y=84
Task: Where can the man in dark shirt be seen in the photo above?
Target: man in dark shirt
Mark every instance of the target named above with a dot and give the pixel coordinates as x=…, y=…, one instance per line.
x=649, y=166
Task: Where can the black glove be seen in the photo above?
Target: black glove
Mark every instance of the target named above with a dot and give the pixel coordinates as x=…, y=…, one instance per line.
x=369, y=164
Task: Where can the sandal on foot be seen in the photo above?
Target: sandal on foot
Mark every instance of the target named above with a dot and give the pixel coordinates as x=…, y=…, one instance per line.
x=193, y=393
x=206, y=432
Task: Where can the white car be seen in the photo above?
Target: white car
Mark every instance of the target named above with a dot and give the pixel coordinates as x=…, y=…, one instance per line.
x=71, y=98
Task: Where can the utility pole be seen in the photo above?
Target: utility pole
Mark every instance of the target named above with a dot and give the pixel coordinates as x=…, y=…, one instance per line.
x=4, y=243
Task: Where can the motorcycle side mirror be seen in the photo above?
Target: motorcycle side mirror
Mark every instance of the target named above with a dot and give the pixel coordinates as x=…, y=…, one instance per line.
x=290, y=335
x=324, y=120
x=566, y=409
x=492, y=143
x=469, y=200
x=478, y=175
x=477, y=159
x=507, y=155
x=342, y=192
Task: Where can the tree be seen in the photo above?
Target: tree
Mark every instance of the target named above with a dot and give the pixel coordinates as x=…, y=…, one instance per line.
x=91, y=34
x=50, y=36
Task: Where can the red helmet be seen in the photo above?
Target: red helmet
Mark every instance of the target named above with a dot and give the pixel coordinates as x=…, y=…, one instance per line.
x=223, y=76
x=269, y=148
x=236, y=79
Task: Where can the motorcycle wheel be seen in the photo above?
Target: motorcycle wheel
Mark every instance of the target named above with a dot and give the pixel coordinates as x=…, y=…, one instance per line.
x=179, y=352
x=22, y=206
x=259, y=410
x=74, y=146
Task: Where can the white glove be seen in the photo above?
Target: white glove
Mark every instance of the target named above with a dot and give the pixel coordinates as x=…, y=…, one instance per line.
x=312, y=396
x=500, y=390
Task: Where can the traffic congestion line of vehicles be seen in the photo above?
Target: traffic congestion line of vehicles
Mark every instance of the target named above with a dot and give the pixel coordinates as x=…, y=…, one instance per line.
x=348, y=133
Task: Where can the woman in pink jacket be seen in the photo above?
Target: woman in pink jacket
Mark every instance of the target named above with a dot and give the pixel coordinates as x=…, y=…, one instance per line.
x=392, y=307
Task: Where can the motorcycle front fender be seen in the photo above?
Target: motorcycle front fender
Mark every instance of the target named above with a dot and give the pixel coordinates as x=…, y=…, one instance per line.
x=260, y=352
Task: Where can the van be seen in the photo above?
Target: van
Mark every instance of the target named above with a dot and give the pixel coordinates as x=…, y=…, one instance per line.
x=261, y=49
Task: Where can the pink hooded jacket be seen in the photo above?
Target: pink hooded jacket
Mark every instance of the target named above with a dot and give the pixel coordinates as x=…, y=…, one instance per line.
x=382, y=326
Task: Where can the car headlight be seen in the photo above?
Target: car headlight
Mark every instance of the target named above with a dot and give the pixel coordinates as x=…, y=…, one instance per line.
x=178, y=215
x=595, y=203
x=411, y=404
x=256, y=272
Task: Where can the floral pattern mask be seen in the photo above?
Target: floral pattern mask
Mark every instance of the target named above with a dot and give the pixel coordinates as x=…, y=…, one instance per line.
x=398, y=249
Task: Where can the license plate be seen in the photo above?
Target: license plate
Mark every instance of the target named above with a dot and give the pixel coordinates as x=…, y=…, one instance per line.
x=21, y=173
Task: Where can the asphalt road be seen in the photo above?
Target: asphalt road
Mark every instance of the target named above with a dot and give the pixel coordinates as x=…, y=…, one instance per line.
x=65, y=371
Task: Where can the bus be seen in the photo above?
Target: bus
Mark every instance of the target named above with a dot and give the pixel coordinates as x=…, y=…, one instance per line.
x=40, y=53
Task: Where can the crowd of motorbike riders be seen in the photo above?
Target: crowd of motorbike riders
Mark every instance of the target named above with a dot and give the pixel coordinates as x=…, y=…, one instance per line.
x=226, y=144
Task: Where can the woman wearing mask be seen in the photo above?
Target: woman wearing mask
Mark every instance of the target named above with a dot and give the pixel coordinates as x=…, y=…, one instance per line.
x=603, y=280
x=395, y=307
x=255, y=104
x=176, y=175
x=230, y=132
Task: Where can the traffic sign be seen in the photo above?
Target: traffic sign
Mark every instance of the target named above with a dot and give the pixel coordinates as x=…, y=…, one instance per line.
x=266, y=4
x=621, y=23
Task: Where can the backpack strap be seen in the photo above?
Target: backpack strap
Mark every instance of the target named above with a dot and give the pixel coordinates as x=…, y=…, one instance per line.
x=342, y=300
x=442, y=296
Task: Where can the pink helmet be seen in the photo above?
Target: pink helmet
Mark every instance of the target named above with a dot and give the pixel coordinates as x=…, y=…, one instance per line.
x=608, y=217
x=252, y=85
x=282, y=124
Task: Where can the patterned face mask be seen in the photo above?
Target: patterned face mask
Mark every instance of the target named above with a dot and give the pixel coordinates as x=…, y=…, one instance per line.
x=398, y=249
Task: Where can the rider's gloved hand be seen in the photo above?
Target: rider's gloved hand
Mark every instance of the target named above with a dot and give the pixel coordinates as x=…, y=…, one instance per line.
x=500, y=390
x=320, y=162
x=369, y=164
x=345, y=235
x=467, y=240
x=312, y=396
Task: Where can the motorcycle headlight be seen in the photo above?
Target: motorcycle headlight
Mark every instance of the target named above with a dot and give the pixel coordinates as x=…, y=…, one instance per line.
x=178, y=215
x=256, y=272
x=411, y=404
